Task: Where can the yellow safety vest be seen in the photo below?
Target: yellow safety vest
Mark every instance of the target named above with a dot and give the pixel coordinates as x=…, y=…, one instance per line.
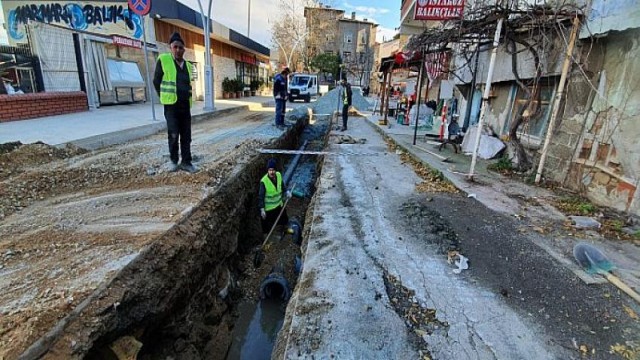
x=273, y=194
x=168, y=88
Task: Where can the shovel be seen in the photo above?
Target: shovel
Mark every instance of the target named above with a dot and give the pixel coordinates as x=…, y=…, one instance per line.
x=258, y=257
x=595, y=262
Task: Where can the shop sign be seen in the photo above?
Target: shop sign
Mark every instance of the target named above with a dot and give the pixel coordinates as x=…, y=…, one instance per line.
x=123, y=41
x=248, y=59
x=438, y=9
x=98, y=17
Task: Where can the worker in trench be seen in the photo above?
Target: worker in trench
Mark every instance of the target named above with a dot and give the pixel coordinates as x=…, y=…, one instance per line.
x=271, y=198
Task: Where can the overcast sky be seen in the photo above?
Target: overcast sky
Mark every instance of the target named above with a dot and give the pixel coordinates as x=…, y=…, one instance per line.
x=383, y=12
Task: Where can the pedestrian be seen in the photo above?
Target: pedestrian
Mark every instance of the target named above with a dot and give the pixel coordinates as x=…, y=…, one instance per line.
x=172, y=80
x=280, y=95
x=346, y=102
x=271, y=198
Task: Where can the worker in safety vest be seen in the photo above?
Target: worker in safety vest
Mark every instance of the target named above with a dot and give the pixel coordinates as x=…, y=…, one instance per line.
x=172, y=80
x=346, y=102
x=271, y=198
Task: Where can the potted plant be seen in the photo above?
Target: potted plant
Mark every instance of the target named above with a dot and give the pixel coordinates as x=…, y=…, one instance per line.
x=239, y=88
x=255, y=85
x=227, y=88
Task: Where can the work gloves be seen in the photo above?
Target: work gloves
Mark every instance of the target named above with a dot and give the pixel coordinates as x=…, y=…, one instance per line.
x=263, y=214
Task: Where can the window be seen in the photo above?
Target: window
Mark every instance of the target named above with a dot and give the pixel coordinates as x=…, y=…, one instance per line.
x=348, y=38
x=246, y=72
x=536, y=126
x=346, y=55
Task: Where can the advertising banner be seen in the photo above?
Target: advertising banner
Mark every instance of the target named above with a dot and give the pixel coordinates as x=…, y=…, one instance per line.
x=438, y=9
x=98, y=17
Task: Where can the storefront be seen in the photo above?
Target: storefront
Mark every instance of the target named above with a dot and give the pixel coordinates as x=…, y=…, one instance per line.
x=233, y=55
x=89, y=46
x=96, y=47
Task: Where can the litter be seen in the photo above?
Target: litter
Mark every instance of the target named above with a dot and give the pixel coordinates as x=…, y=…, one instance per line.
x=585, y=222
x=472, y=196
x=462, y=263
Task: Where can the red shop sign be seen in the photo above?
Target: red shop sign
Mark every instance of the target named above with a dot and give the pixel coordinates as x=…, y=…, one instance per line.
x=438, y=9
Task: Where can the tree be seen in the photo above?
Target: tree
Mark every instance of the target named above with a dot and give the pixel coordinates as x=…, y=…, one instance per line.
x=289, y=30
x=326, y=63
x=297, y=39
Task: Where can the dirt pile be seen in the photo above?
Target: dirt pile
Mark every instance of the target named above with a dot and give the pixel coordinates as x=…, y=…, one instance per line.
x=70, y=220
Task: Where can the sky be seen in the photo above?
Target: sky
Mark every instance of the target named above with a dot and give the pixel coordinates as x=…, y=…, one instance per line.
x=386, y=13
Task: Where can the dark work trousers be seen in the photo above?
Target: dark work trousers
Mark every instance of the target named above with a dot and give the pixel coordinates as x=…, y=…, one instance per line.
x=179, y=130
x=281, y=105
x=267, y=223
x=345, y=116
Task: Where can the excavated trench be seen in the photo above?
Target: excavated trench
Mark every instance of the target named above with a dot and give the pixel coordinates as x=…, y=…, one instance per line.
x=197, y=293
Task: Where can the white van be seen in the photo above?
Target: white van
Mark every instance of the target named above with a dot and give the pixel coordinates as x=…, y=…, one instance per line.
x=303, y=86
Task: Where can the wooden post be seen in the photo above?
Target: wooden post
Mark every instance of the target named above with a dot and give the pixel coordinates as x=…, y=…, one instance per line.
x=558, y=98
x=485, y=96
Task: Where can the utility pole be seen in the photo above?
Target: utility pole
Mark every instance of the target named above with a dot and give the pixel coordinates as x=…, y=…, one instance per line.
x=485, y=96
x=249, y=20
x=208, y=68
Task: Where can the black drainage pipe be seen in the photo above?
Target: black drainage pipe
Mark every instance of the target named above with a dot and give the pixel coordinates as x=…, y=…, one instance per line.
x=275, y=286
x=292, y=166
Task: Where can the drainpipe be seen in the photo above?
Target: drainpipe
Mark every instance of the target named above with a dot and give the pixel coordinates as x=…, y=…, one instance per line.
x=292, y=166
x=275, y=285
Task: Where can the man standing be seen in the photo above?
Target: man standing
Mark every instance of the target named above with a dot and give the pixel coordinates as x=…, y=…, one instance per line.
x=271, y=199
x=346, y=102
x=172, y=80
x=280, y=94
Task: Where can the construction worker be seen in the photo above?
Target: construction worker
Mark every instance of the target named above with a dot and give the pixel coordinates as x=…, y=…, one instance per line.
x=280, y=95
x=271, y=198
x=346, y=102
x=172, y=80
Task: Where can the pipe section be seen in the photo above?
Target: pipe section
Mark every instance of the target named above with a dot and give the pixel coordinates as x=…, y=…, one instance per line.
x=292, y=166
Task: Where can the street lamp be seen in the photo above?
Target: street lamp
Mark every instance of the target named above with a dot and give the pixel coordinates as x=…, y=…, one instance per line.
x=208, y=69
x=288, y=58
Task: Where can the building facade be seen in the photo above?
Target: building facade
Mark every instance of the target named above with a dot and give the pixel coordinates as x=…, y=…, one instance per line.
x=353, y=40
x=97, y=46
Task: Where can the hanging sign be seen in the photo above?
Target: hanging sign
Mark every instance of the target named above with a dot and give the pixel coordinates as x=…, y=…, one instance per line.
x=438, y=9
x=140, y=7
x=436, y=64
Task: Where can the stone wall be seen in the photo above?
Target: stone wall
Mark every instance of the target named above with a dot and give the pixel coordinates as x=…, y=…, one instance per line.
x=222, y=67
x=595, y=149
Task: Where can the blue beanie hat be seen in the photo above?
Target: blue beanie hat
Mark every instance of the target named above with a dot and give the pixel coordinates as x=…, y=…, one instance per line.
x=271, y=164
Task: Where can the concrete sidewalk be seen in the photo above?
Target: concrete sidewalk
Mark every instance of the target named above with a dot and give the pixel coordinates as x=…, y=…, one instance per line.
x=111, y=125
x=487, y=188
x=532, y=205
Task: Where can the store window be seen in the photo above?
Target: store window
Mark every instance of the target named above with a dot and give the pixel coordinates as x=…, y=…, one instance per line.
x=246, y=72
x=536, y=126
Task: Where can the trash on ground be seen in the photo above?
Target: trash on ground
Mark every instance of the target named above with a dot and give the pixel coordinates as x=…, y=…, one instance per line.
x=490, y=146
x=462, y=263
x=585, y=222
x=472, y=196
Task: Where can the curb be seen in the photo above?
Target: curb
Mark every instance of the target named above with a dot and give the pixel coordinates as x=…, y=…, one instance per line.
x=122, y=136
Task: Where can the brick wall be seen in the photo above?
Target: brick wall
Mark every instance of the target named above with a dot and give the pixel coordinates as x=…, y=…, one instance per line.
x=29, y=106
